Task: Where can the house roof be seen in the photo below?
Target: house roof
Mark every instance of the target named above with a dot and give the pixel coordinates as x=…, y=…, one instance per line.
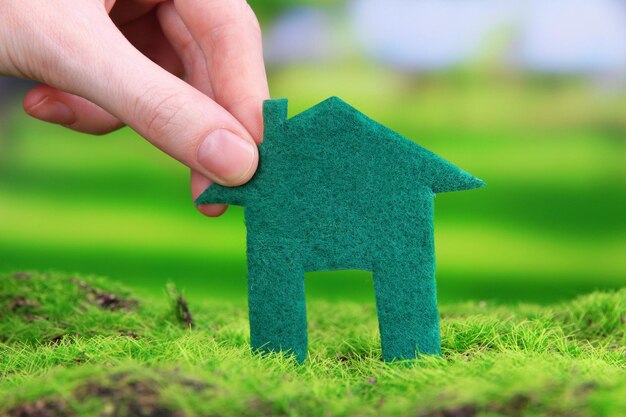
x=333, y=145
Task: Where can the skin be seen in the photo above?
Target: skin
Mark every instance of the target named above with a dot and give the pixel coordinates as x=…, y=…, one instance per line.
x=187, y=75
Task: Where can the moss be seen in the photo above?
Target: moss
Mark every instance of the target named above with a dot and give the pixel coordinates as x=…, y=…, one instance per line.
x=525, y=360
x=37, y=308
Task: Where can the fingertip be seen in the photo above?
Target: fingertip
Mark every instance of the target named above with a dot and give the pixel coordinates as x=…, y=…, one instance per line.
x=212, y=210
x=56, y=106
x=41, y=103
x=228, y=158
x=34, y=97
x=199, y=183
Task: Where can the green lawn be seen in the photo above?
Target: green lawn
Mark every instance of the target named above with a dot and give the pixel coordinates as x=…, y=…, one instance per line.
x=81, y=346
x=549, y=225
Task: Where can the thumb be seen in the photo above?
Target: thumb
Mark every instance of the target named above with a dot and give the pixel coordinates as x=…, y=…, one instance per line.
x=168, y=112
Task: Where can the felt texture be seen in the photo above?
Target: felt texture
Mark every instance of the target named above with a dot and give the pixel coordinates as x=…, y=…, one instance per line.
x=336, y=190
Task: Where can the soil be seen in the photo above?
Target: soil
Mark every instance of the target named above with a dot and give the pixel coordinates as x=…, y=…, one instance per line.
x=128, y=398
x=106, y=300
x=41, y=408
x=515, y=406
x=121, y=395
x=468, y=410
x=21, y=303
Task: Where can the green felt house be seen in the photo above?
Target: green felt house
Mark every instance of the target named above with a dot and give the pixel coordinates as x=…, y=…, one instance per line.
x=336, y=190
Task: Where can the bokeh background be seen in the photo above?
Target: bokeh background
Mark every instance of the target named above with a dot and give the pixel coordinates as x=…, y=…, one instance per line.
x=528, y=95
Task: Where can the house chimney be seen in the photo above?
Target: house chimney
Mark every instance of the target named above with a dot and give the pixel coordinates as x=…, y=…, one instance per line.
x=274, y=111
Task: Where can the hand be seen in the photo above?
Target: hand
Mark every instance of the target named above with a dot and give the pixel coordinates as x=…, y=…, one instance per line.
x=104, y=64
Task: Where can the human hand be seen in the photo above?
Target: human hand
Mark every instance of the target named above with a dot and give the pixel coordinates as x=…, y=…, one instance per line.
x=106, y=63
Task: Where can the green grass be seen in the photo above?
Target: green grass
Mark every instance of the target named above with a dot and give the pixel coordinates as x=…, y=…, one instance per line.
x=78, y=346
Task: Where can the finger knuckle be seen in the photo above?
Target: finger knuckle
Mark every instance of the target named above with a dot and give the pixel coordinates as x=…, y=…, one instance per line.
x=158, y=110
x=245, y=100
x=230, y=19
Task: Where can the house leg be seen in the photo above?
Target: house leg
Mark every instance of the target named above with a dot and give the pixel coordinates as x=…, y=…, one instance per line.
x=276, y=302
x=406, y=302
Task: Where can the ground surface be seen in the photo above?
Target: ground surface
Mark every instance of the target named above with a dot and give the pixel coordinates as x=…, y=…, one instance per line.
x=78, y=346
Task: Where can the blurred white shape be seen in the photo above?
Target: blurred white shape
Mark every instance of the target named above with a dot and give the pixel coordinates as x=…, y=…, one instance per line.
x=427, y=34
x=553, y=36
x=574, y=36
x=548, y=35
x=301, y=34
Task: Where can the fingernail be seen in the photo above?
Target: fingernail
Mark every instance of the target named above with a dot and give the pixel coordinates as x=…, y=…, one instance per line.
x=227, y=156
x=50, y=110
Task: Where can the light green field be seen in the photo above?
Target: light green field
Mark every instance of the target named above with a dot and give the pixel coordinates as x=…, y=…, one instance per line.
x=549, y=225
x=75, y=346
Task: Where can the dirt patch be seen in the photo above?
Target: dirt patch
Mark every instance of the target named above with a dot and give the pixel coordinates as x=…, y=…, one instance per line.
x=22, y=275
x=56, y=339
x=517, y=405
x=262, y=407
x=104, y=299
x=587, y=388
x=21, y=303
x=468, y=410
x=41, y=408
x=125, y=396
x=354, y=356
x=25, y=307
x=129, y=333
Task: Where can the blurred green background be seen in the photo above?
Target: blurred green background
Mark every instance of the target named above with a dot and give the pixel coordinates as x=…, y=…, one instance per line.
x=546, y=130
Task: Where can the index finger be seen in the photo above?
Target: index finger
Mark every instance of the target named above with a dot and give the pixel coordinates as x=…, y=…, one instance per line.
x=229, y=35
